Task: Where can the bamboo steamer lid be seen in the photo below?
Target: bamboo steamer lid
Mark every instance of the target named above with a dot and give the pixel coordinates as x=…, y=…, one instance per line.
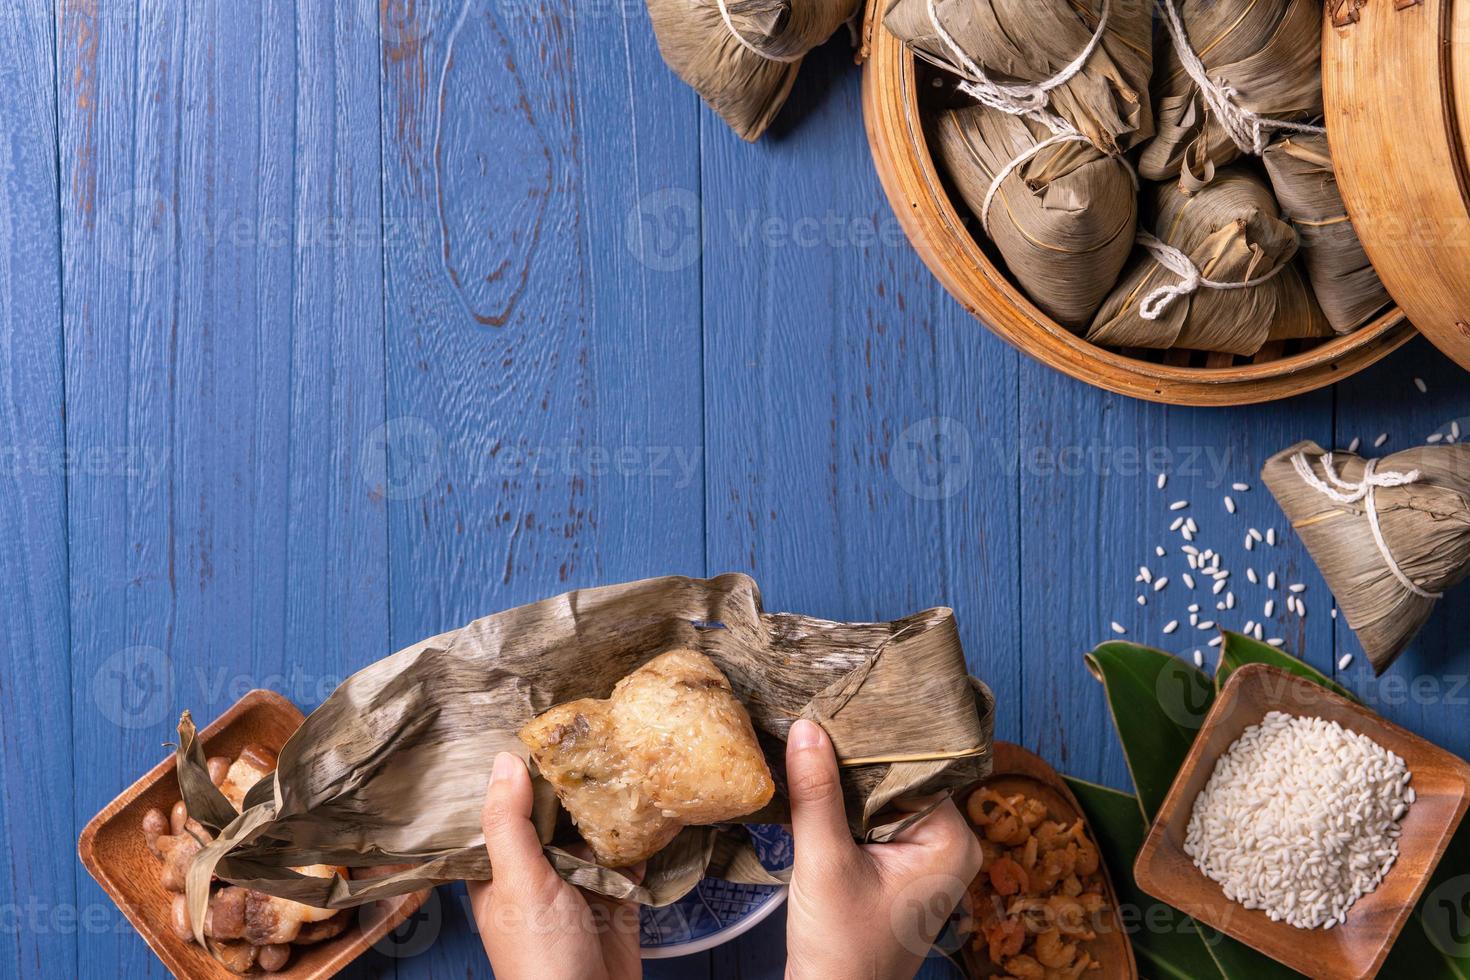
x=1397, y=97
x=1396, y=89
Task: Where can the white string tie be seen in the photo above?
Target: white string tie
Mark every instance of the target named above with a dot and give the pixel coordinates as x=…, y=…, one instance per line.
x=753, y=49
x=1249, y=131
x=1024, y=99
x=1191, y=280
x=1344, y=492
x=1068, y=136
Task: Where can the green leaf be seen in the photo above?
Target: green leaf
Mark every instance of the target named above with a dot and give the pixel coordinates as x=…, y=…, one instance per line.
x=1166, y=941
x=1158, y=703
x=1240, y=650
x=1436, y=940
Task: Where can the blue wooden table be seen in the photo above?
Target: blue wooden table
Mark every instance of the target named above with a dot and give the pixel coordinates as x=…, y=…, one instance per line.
x=326, y=329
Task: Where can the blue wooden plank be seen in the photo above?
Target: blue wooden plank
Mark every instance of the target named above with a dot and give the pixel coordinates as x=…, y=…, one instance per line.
x=1092, y=514
x=861, y=425
x=1428, y=689
x=543, y=349
x=222, y=256
x=119, y=229
x=38, y=888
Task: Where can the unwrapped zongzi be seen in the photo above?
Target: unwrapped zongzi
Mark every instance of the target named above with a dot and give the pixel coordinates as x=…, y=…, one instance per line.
x=1300, y=167
x=671, y=747
x=1064, y=219
x=1232, y=234
x=1262, y=56
x=1390, y=535
x=742, y=56
x=1020, y=43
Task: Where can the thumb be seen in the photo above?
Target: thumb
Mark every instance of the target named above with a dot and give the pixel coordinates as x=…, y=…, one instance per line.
x=510, y=837
x=818, y=821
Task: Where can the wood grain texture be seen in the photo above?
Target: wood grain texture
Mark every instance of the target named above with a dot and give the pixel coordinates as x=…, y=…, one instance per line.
x=224, y=341
x=38, y=883
x=543, y=346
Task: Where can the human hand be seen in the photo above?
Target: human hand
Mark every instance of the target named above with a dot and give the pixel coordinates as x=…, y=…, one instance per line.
x=866, y=912
x=533, y=924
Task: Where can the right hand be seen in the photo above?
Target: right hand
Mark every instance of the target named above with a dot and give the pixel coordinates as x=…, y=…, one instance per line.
x=866, y=912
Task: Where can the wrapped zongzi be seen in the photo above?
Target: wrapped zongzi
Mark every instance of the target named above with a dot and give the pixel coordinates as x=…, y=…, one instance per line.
x=1217, y=278
x=742, y=56
x=392, y=767
x=1023, y=49
x=1064, y=219
x=1261, y=61
x=1300, y=167
x=1390, y=535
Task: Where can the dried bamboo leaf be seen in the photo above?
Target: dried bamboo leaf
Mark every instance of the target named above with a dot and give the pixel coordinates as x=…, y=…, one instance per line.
x=1232, y=231
x=1345, y=283
x=1425, y=528
x=1028, y=41
x=1268, y=51
x=392, y=767
x=1064, y=221
x=746, y=83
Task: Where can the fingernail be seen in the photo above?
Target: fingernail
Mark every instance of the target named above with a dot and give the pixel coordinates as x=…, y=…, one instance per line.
x=805, y=734
x=506, y=764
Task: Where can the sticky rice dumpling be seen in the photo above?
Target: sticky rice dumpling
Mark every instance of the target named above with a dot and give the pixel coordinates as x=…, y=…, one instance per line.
x=1064, y=220
x=1019, y=42
x=1232, y=232
x=1391, y=536
x=671, y=747
x=742, y=56
x=1269, y=52
x=1300, y=167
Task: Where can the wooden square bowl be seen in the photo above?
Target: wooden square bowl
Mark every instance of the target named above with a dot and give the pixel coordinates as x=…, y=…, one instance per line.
x=1357, y=947
x=113, y=850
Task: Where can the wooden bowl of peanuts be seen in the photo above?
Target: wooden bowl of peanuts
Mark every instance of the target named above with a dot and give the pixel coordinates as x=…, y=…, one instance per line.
x=139, y=844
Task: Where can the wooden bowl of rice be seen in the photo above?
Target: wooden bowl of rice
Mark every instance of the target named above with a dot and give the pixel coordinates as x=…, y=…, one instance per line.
x=1358, y=946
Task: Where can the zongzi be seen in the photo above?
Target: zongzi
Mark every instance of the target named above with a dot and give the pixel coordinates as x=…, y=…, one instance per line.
x=671, y=747
x=1028, y=48
x=1063, y=219
x=1261, y=61
x=1390, y=535
x=1218, y=278
x=1300, y=167
x=742, y=56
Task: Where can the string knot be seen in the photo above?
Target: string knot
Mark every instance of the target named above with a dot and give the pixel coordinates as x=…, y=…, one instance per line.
x=1346, y=492
x=1191, y=279
x=1030, y=99
x=1249, y=131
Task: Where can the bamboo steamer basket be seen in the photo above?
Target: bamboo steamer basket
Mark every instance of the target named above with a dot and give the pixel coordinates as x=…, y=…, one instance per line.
x=1396, y=87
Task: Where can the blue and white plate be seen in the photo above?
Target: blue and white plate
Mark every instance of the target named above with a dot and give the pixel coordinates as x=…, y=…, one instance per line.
x=716, y=911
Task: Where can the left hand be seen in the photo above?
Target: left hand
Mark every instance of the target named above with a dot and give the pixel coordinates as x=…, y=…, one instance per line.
x=533, y=924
